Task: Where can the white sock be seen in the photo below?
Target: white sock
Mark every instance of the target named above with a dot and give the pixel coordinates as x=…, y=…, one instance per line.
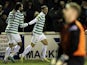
x=27, y=49
x=16, y=49
x=44, y=49
x=7, y=53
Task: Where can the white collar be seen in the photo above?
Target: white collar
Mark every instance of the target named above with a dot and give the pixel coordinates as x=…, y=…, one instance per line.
x=42, y=13
x=18, y=10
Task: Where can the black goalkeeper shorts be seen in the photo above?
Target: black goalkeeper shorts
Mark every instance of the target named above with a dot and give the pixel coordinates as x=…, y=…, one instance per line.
x=76, y=61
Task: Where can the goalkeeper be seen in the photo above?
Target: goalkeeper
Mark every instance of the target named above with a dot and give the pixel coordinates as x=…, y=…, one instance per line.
x=72, y=46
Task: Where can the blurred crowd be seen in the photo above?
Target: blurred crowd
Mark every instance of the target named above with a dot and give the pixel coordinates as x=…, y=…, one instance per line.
x=53, y=19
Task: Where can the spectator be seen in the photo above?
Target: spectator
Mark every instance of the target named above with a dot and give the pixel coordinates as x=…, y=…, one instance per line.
x=83, y=17
x=49, y=3
x=29, y=15
x=3, y=22
x=0, y=17
x=37, y=4
x=7, y=7
x=54, y=18
x=1, y=11
x=2, y=2
x=78, y=1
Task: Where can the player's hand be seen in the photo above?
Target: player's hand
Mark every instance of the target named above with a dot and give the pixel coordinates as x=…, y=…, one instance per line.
x=28, y=23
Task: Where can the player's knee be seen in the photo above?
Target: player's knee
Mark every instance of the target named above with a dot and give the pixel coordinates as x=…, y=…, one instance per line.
x=20, y=44
x=32, y=44
x=11, y=45
x=45, y=43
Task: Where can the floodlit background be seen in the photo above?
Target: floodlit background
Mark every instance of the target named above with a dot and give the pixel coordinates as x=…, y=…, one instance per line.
x=53, y=21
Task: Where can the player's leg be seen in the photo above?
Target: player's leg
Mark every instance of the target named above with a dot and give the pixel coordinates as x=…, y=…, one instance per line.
x=44, y=48
x=59, y=53
x=18, y=40
x=29, y=47
x=8, y=49
x=26, y=51
x=7, y=53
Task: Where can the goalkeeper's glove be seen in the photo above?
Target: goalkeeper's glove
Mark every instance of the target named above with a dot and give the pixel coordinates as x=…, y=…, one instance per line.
x=62, y=59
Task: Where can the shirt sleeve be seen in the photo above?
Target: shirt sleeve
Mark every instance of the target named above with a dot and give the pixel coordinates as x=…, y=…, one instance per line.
x=33, y=21
x=22, y=24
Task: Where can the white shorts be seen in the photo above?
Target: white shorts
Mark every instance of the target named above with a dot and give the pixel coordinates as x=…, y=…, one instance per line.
x=36, y=38
x=13, y=38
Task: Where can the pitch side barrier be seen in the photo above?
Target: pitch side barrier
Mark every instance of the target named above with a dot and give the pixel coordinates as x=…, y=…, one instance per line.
x=52, y=37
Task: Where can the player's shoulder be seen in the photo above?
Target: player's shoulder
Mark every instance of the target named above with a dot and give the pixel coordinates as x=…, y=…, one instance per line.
x=11, y=13
x=19, y=13
x=41, y=15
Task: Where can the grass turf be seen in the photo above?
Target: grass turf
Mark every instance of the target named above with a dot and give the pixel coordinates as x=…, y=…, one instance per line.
x=28, y=62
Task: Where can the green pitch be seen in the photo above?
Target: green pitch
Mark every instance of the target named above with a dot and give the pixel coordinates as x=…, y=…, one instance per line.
x=28, y=62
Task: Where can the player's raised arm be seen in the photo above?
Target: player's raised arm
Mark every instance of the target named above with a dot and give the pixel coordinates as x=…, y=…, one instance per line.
x=33, y=21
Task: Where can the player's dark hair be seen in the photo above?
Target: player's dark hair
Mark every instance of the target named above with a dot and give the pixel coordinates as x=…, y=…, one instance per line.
x=17, y=6
x=44, y=6
x=75, y=6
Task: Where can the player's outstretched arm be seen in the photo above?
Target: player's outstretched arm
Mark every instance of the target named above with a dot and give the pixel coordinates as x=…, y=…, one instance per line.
x=33, y=21
x=23, y=25
x=21, y=21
